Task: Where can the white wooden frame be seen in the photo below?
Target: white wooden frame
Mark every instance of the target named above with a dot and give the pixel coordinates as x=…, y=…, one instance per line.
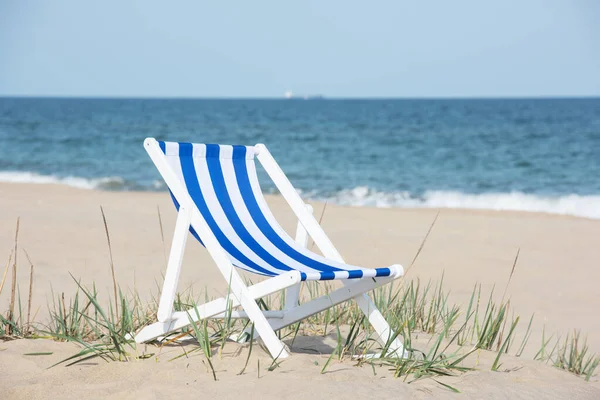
x=265, y=322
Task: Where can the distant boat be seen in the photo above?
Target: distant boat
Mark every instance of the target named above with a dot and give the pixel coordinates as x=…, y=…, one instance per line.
x=289, y=95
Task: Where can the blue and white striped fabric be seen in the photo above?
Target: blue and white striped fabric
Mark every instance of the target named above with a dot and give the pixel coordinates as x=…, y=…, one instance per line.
x=223, y=183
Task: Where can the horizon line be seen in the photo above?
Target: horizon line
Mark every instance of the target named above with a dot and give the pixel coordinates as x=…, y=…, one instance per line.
x=311, y=98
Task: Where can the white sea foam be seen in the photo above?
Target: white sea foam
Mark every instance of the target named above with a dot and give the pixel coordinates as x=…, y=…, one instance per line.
x=572, y=204
x=82, y=183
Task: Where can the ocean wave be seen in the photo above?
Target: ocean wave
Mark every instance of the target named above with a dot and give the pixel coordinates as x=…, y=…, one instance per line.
x=363, y=196
x=105, y=183
x=571, y=204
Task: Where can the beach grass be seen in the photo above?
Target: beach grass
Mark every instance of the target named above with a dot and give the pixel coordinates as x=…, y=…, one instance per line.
x=103, y=326
x=413, y=309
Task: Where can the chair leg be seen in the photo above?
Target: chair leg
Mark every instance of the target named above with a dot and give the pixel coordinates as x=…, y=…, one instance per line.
x=215, y=307
x=351, y=290
x=182, y=319
x=167, y=297
x=292, y=294
x=381, y=326
x=261, y=324
x=348, y=292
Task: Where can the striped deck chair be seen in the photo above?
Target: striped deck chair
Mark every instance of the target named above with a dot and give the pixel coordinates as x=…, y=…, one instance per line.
x=216, y=191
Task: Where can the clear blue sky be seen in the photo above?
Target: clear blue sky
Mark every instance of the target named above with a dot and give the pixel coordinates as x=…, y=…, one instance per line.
x=263, y=48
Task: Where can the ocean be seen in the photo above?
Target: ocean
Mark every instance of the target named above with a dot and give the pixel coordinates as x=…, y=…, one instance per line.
x=499, y=154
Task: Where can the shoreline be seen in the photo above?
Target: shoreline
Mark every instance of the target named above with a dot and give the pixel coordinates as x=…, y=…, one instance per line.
x=318, y=202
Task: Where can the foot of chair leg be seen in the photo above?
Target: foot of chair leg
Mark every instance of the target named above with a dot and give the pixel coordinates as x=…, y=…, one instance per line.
x=397, y=353
x=153, y=331
x=242, y=337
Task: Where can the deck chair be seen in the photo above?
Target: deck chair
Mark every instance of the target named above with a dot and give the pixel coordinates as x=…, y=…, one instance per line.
x=216, y=191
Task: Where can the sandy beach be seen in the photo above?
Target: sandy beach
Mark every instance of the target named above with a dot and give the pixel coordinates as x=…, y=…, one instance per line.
x=556, y=278
x=451, y=155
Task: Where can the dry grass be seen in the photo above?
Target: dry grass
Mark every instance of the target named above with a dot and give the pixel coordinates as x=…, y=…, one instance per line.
x=11, y=308
x=112, y=264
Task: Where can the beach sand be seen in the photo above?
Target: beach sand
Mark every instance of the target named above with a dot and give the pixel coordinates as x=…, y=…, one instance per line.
x=61, y=228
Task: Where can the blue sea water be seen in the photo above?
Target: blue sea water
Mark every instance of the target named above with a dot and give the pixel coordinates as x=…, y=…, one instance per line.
x=520, y=154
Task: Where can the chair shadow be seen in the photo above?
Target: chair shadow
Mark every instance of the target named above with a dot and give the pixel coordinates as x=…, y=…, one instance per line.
x=310, y=345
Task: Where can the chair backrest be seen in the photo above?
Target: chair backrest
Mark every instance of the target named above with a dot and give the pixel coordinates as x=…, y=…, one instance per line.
x=222, y=182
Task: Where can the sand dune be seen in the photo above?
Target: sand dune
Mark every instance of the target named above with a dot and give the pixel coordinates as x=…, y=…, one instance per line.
x=61, y=228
